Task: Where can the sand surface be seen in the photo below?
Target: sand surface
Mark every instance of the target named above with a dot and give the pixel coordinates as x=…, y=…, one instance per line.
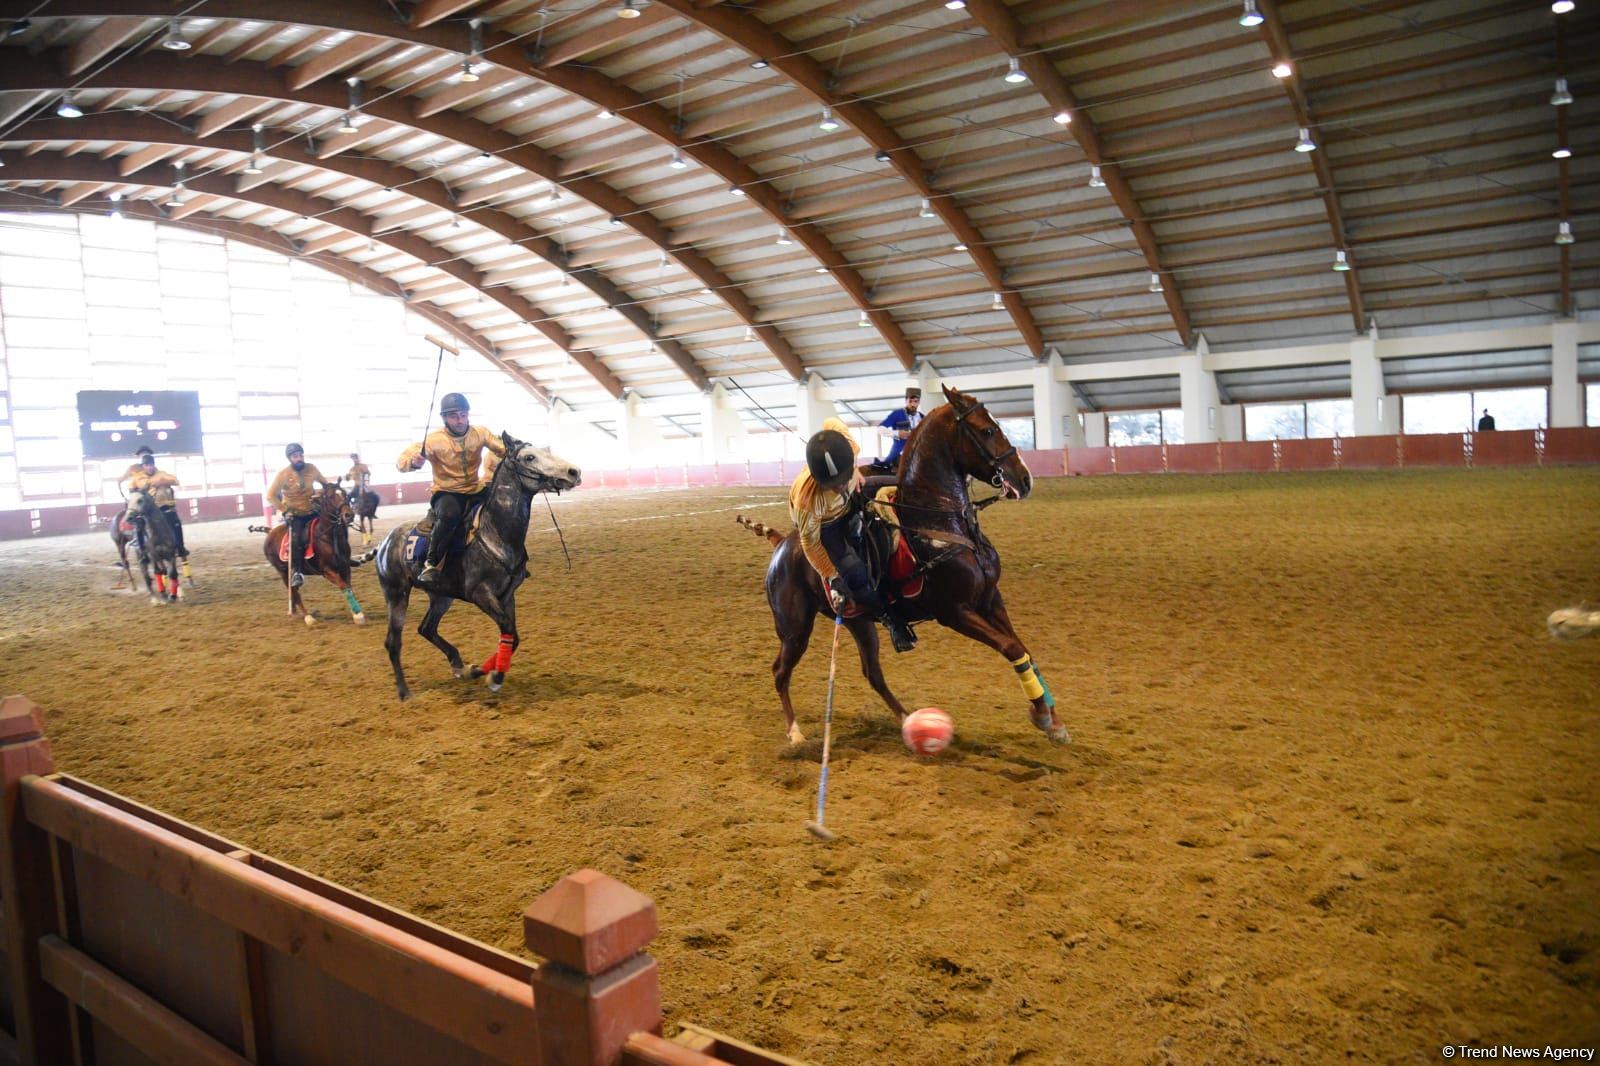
x=1333, y=793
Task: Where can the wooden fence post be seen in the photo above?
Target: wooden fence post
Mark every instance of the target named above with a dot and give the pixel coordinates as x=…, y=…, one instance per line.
x=40, y=1013
x=597, y=987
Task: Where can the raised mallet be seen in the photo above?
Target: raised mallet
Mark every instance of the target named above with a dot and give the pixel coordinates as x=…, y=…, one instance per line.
x=816, y=828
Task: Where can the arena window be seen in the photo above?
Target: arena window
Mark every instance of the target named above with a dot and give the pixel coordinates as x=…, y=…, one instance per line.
x=1591, y=394
x=1126, y=428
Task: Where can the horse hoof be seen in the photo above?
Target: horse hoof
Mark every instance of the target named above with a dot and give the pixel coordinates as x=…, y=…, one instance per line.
x=359, y=619
x=405, y=694
x=1059, y=735
x=310, y=621
x=795, y=736
x=458, y=672
x=472, y=673
x=496, y=679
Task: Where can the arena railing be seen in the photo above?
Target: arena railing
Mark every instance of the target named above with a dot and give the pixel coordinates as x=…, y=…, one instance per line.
x=127, y=930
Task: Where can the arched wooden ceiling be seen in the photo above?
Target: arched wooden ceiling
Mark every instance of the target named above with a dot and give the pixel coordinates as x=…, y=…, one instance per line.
x=950, y=213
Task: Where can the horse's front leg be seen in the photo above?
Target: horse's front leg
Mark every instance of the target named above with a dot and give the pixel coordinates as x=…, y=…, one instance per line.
x=504, y=612
x=341, y=578
x=398, y=599
x=865, y=630
x=996, y=632
x=149, y=585
x=429, y=630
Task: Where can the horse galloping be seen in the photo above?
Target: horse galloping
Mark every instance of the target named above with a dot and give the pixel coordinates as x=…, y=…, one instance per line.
x=328, y=552
x=160, y=548
x=961, y=567
x=485, y=573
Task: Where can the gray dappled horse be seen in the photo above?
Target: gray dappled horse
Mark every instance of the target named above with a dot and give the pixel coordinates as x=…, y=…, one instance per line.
x=160, y=548
x=486, y=573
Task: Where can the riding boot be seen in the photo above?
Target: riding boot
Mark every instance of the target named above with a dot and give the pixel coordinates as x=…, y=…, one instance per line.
x=429, y=575
x=297, y=552
x=900, y=632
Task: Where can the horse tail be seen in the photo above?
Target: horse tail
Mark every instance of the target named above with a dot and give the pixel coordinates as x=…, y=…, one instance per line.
x=367, y=558
x=773, y=536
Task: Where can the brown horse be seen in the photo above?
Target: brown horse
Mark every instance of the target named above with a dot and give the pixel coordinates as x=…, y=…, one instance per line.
x=364, y=505
x=328, y=553
x=962, y=569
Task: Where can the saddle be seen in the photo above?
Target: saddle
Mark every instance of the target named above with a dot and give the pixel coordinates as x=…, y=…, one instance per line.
x=417, y=540
x=892, y=563
x=311, y=543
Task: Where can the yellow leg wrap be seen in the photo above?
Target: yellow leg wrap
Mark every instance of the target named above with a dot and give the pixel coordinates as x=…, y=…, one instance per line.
x=1027, y=677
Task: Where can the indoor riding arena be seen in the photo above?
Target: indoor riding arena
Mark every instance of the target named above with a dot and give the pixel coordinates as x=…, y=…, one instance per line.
x=1253, y=344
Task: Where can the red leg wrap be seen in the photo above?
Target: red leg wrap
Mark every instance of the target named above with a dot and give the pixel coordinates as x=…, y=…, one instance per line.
x=161, y=584
x=488, y=666
x=503, y=656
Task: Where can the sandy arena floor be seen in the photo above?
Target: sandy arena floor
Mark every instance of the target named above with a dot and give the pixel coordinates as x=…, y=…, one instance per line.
x=1333, y=795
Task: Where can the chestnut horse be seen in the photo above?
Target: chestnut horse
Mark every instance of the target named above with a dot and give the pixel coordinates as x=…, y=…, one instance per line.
x=961, y=589
x=329, y=552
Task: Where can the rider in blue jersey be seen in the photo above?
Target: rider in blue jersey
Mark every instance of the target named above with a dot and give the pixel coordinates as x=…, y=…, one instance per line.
x=901, y=422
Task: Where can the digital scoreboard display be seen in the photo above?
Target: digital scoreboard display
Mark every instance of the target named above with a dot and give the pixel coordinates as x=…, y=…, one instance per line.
x=112, y=424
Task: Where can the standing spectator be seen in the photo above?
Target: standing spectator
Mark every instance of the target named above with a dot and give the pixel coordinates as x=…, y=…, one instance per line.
x=1486, y=423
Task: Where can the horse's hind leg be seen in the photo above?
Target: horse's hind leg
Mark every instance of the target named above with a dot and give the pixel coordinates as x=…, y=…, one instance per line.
x=429, y=629
x=866, y=633
x=792, y=646
x=398, y=599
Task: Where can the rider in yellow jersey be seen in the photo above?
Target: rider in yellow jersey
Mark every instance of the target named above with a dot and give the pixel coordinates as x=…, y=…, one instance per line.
x=456, y=453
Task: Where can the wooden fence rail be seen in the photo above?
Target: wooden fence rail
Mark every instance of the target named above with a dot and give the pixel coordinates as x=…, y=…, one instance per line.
x=129, y=936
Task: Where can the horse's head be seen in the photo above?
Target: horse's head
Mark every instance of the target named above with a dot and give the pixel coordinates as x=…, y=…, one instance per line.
x=139, y=503
x=334, y=505
x=538, y=469
x=982, y=450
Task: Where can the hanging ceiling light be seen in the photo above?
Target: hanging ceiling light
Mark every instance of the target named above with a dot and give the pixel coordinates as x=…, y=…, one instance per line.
x=1562, y=96
x=1282, y=70
x=749, y=333
x=1562, y=152
x=783, y=237
x=1155, y=283
x=1095, y=180
x=828, y=123
x=628, y=9
x=1062, y=117
x=999, y=303
x=174, y=41
x=926, y=211
x=349, y=123
x=1561, y=7
x=176, y=197
x=254, y=166
x=1564, y=233
x=955, y=5
x=1341, y=262
x=555, y=194
x=469, y=64
x=116, y=205
x=882, y=156
x=352, y=106
x=1250, y=16
x=605, y=114
x=759, y=64
x=67, y=109
x=468, y=71
x=1014, y=73
x=1306, y=143
x=615, y=222
x=863, y=321
x=734, y=190
x=677, y=160
x=959, y=246
x=821, y=270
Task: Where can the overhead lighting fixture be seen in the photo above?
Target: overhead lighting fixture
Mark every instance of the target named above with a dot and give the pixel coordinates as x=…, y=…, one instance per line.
x=828, y=123
x=1155, y=283
x=1562, y=152
x=1341, y=262
x=67, y=109
x=174, y=41
x=1095, y=180
x=555, y=194
x=677, y=162
x=116, y=205
x=349, y=123
x=863, y=321
x=1306, y=143
x=455, y=221
x=960, y=246
x=955, y=5
x=628, y=9
x=1564, y=233
x=1561, y=7
x=822, y=270
x=18, y=28
x=178, y=189
x=882, y=156
x=606, y=114
x=469, y=64
x=1250, y=16
x=926, y=211
x=999, y=303
x=1282, y=70
x=1562, y=96
x=615, y=222
x=1014, y=73
x=749, y=333
x=783, y=237
x=759, y=64
x=352, y=106
x=734, y=190
x=1062, y=117
x=254, y=166
x=257, y=145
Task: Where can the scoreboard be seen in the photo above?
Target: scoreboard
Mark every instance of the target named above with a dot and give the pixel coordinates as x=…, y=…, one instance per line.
x=112, y=424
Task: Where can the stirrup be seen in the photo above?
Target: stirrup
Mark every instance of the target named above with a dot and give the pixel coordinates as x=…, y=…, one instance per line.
x=901, y=635
x=428, y=574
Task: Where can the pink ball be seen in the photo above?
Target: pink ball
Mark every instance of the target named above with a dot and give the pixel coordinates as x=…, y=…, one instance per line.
x=928, y=731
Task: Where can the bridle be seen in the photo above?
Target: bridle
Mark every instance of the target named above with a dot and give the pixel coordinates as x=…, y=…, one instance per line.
x=328, y=505
x=996, y=478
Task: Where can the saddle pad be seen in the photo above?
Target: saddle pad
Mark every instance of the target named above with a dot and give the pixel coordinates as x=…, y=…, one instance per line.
x=311, y=543
x=416, y=547
x=903, y=575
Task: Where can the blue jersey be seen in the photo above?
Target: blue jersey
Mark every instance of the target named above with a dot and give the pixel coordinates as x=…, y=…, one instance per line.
x=899, y=419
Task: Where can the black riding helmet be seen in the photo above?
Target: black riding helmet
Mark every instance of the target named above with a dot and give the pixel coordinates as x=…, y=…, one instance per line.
x=143, y=449
x=453, y=401
x=830, y=458
x=290, y=449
